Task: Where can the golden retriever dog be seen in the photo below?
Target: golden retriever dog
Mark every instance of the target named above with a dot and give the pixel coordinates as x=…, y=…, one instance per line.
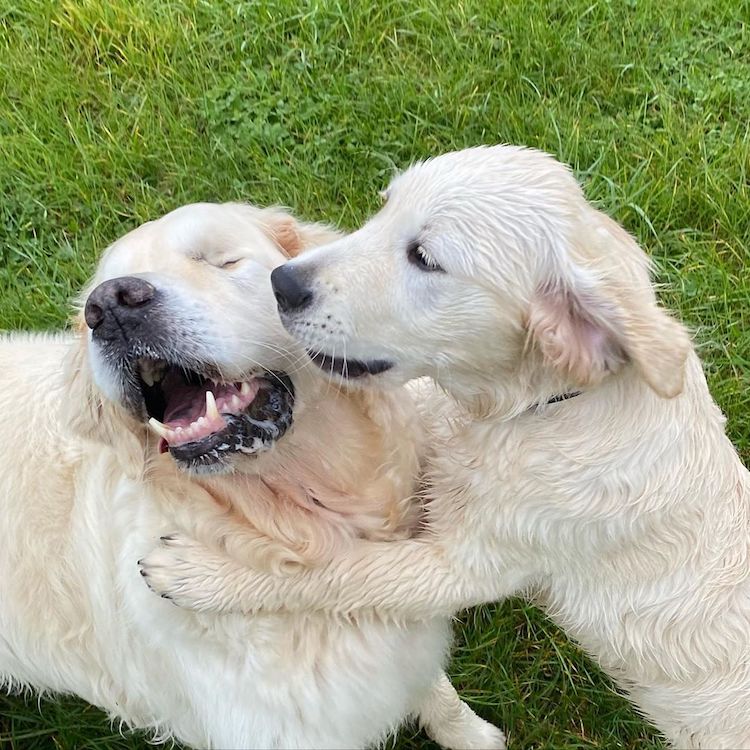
x=245, y=446
x=586, y=464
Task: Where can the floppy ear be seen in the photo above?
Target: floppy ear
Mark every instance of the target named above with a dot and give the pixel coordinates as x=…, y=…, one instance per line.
x=294, y=236
x=587, y=325
x=90, y=416
x=290, y=235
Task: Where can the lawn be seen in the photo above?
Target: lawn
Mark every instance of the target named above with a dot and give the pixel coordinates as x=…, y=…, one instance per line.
x=115, y=111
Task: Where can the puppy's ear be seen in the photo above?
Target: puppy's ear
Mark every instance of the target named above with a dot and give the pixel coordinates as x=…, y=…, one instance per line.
x=92, y=417
x=587, y=325
x=294, y=236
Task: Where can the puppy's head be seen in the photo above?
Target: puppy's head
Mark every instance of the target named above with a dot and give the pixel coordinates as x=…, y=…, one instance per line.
x=485, y=269
x=180, y=333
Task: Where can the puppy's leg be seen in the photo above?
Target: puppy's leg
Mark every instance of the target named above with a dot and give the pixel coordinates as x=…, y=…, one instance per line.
x=403, y=580
x=452, y=724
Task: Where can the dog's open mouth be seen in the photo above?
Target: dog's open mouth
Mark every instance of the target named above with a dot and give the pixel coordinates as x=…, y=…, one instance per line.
x=348, y=368
x=201, y=421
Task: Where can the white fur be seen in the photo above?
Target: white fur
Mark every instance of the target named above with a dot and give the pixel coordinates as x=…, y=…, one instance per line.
x=85, y=494
x=625, y=511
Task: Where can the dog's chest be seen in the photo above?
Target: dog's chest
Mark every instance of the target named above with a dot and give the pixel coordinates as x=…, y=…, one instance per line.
x=523, y=501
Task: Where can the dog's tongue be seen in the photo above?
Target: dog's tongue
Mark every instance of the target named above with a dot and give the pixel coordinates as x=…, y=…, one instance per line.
x=191, y=414
x=186, y=401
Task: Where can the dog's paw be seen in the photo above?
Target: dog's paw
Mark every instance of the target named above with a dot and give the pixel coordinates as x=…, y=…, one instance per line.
x=469, y=732
x=185, y=572
x=483, y=736
x=480, y=736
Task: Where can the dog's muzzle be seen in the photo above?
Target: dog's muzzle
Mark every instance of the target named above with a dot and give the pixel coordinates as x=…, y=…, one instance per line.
x=201, y=419
x=118, y=308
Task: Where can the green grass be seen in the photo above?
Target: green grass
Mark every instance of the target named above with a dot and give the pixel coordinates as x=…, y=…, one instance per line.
x=115, y=111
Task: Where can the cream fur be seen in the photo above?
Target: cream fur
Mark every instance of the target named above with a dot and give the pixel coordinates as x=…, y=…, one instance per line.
x=623, y=511
x=86, y=494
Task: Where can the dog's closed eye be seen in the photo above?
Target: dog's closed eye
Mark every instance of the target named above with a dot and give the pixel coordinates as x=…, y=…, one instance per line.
x=230, y=263
x=217, y=262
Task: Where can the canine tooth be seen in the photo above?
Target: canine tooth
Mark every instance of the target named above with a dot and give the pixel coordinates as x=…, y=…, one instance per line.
x=236, y=403
x=245, y=388
x=160, y=429
x=211, y=411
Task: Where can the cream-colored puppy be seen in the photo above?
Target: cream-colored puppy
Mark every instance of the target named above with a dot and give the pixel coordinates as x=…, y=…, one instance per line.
x=247, y=447
x=590, y=467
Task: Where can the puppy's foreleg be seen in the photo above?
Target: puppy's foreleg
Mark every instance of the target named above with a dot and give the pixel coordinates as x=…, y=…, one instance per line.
x=402, y=580
x=452, y=724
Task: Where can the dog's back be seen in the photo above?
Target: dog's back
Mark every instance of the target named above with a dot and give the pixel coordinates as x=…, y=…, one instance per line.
x=41, y=604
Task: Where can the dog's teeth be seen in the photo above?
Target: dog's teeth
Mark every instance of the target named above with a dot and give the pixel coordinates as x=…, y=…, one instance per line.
x=159, y=370
x=147, y=372
x=236, y=403
x=152, y=371
x=245, y=388
x=211, y=411
x=160, y=429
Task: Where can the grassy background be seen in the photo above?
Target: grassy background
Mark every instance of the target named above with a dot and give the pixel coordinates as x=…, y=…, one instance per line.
x=115, y=111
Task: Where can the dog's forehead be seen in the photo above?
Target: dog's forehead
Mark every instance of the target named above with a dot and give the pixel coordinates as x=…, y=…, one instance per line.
x=456, y=180
x=192, y=233
x=440, y=188
x=447, y=173
x=503, y=197
x=216, y=232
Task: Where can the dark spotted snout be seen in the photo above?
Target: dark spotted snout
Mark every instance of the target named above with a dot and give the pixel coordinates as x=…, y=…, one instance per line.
x=117, y=307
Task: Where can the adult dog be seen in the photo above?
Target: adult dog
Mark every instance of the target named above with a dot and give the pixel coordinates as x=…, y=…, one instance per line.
x=591, y=466
x=181, y=329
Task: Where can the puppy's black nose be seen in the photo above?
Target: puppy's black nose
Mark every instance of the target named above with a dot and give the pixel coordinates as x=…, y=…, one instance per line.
x=120, y=298
x=290, y=289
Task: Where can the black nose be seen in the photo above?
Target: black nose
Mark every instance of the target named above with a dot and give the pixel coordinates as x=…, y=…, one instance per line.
x=120, y=298
x=290, y=288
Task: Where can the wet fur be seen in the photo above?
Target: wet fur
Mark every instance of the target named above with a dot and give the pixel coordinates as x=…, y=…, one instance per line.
x=624, y=511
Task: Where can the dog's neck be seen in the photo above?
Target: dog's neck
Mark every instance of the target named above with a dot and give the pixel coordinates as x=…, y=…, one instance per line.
x=605, y=427
x=335, y=461
x=504, y=396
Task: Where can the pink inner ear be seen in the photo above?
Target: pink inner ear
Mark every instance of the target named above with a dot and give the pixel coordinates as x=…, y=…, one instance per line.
x=575, y=333
x=287, y=237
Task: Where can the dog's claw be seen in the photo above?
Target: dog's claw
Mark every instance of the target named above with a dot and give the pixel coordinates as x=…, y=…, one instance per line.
x=183, y=572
